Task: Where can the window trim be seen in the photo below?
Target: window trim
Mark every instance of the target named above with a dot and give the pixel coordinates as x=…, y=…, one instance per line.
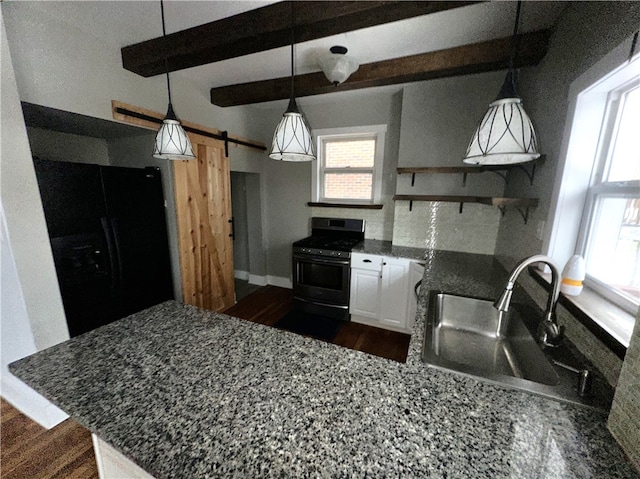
x=378, y=132
x=587, y=100
x=599, y=188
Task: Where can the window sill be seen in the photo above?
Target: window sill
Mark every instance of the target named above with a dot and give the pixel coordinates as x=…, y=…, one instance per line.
x=609, y=323
x=345, y=205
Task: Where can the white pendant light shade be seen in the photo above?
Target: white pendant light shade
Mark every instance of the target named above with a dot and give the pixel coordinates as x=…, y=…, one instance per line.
x=292, y=139
x=505, y=136
x=172, y=142
x=337, y=66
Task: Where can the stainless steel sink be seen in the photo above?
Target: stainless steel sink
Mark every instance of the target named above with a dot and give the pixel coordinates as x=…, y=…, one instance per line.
x=469, y=336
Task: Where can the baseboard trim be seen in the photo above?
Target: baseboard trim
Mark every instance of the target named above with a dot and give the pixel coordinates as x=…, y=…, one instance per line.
x=279, y=281
x=239, y=274
x=258, y=280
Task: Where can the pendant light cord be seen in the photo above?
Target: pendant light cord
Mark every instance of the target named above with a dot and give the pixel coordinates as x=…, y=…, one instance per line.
x=166, y=63
x=292, y=42
x=514, y=38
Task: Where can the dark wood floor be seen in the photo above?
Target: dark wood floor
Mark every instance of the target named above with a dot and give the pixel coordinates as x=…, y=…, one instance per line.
x=65, y=451
x=270, y=303
x=30, y=451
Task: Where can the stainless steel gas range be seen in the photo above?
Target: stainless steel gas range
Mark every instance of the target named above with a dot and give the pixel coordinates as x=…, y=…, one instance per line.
x=321, y=266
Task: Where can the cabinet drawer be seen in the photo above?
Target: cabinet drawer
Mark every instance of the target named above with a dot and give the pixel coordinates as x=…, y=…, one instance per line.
x=366, y=261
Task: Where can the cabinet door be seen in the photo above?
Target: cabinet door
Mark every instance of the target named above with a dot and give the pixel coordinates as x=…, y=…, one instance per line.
x=395, y=290
x=365, y=293
x=203, y=205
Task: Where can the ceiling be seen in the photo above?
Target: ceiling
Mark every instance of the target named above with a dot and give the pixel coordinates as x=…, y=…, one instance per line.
x=123, y=23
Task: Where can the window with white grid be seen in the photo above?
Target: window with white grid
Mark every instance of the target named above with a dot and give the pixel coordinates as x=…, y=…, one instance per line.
x=349, y=165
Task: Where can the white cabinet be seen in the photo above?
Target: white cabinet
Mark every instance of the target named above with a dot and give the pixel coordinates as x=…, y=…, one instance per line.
x=365, y=293
x=380, y=291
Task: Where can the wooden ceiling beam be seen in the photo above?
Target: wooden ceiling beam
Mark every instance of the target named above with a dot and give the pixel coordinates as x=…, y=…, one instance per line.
x=266, y=28
x=481, y=57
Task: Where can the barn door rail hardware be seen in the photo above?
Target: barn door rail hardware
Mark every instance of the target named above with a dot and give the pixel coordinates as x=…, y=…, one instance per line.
x=223, y=136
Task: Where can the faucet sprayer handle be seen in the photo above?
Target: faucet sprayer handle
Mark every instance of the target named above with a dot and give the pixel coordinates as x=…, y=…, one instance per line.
x=550, y=334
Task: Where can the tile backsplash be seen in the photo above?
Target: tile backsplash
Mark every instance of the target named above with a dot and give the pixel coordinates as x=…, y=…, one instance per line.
x=440, y=225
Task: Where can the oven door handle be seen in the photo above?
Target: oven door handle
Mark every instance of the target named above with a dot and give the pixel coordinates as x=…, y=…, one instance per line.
x=315, y=259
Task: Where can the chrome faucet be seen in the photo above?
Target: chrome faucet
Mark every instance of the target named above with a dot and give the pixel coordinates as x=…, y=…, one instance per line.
x=549, y=333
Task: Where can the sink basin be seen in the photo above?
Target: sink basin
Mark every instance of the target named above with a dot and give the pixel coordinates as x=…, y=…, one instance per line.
x=469, y=336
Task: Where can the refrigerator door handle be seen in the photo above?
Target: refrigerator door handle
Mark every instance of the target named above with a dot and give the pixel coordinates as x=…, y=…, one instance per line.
x=111, y=250
x=112, y=238
x=116, y=242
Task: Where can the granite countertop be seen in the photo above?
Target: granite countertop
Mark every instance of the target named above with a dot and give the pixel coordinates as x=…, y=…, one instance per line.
x=190, y=393
x=386, y=248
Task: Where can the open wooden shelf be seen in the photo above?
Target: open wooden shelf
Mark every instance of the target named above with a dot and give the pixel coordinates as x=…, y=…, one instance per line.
x=345, y=205
x=498, y=169
x=499, y=202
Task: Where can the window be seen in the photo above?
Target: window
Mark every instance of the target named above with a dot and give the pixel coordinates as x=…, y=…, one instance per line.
x=596, y=194
x=610, y=233
x=349, y=165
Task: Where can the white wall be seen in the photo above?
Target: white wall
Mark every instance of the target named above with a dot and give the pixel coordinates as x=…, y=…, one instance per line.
x=58, y=65
x=32, y=313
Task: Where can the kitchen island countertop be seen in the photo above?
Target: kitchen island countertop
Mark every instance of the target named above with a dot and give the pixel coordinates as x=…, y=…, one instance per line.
x=190, y=393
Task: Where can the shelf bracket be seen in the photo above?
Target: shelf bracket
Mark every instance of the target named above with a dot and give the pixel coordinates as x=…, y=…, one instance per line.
x=461, y=206
x=524, y=214
x=531, y=175
x=413, y=179
x=464, y=179
x=503, y=210
x=501, y=175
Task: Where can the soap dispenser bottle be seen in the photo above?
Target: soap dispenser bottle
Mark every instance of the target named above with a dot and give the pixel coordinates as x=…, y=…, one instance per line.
x=573, y=276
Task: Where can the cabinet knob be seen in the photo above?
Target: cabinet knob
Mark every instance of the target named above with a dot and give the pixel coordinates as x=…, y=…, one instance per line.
x=366, y=261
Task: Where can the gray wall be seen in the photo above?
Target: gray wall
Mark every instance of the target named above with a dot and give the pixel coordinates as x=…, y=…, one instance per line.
x=248, y=246
x=287, y=186
x=585, y=33
x=255, y=231
x=239, y=207
x=438, y=120
x=53, y=145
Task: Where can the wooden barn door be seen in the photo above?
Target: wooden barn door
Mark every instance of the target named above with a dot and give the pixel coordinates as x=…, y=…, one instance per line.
x=203, y=207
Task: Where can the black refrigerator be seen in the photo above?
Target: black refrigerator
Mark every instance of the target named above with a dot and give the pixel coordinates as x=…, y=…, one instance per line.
x=109, y=239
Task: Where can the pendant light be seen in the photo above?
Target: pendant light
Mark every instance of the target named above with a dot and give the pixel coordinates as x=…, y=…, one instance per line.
x=172, y=142
x=505, y=134
x=292, y=139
